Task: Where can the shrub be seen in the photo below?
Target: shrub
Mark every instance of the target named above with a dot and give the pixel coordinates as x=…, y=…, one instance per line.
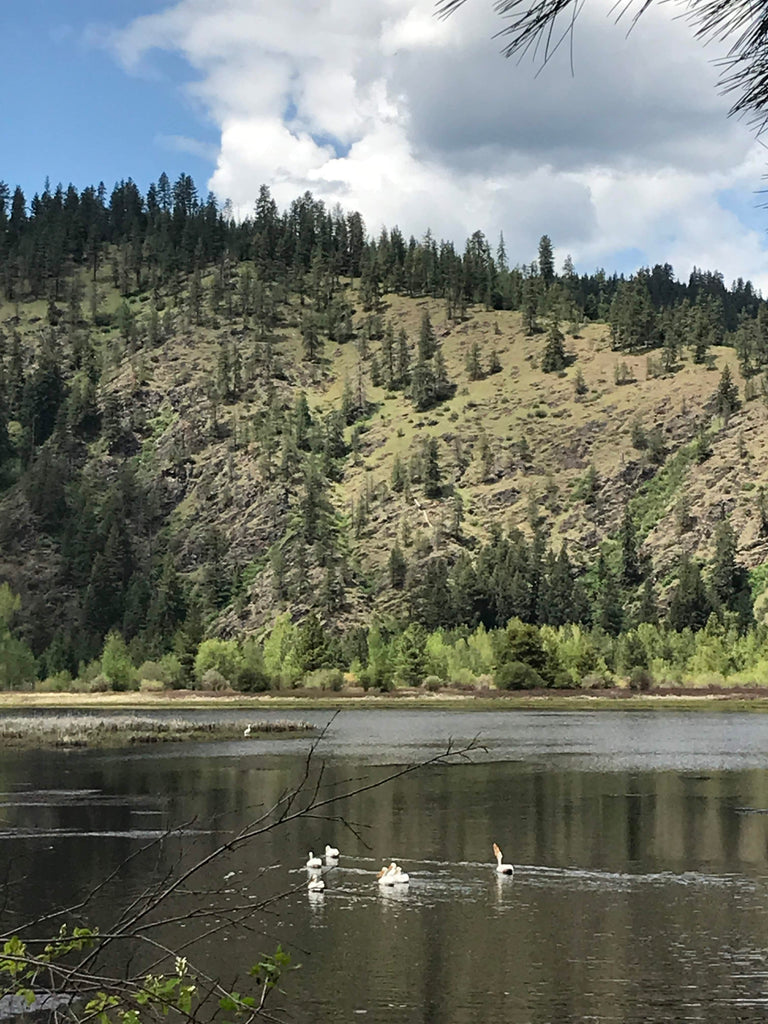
x=432, y=683
x=99, y=684
x=324, y=679
x=212, y=679
x=640, y=679
x=516, y=675
x=173, y=671
x=221, y=655
x=151, y=671
x=251, y=679
x=151, y=685
x=59, y=682
x=597, y=681
x=116, y=663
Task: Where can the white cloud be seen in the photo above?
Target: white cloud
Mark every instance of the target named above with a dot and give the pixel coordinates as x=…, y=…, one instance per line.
x=420, y=122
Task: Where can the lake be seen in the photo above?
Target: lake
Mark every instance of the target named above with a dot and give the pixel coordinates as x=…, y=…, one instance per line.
x=639, y=839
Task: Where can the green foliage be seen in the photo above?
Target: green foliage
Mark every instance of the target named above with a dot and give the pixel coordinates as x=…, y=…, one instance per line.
x=517, y=675
x=223, y=656
x=116, y=663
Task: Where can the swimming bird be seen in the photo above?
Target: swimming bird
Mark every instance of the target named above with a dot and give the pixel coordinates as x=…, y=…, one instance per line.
x=393, y=874
x=247, y=730
x=331, y=853
x=400, y=877
x=315, y=884
x=502, y=869
x=385, y=876
x=313, y=861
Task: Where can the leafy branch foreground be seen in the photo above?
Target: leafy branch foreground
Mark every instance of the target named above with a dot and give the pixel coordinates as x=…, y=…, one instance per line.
x=142, y=967
x=91, y=730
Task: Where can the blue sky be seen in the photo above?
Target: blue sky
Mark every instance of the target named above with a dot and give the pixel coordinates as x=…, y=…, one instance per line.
x=377, y=105
x=76, y=115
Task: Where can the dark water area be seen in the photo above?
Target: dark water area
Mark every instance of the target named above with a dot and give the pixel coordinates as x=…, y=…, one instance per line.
x=639, y=839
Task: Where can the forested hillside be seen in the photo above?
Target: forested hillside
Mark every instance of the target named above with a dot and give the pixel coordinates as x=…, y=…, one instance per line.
x=330, y=448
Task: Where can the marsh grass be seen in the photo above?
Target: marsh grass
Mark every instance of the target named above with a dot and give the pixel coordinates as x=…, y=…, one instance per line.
x=118, y=730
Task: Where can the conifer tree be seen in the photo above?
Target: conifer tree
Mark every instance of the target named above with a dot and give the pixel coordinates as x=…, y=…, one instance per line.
x=630, y=562
x=473, y=364
x=546, y=261
x=312, y=647
x=397, y=567
x=553, y=358
x=726, y=398
x=690, y=605
x=431, y=474
x=403, y=360
x=427, y=340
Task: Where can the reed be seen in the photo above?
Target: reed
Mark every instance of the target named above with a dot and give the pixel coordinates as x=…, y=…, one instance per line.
x=71, y=730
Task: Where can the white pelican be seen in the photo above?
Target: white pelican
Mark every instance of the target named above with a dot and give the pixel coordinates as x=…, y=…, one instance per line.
x=315, y=884
x=331, y=853
x=393, y=874
x=313, y=862
x=502, y=869
x=401, y=877
x=385, y=876
x=247, y=730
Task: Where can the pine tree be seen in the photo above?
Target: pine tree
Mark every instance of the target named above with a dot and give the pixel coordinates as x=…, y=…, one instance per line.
x=427, y=340
x=403, y=360
x=530, y=305
x=473, y=364
x=310, y=337
x=553, y=358
x=630, y=562
x=431, y=475
x=312, y=647
x=729, y=581
x=397, y=567
x=546, y=261
x=690, y=605
x=726, y=398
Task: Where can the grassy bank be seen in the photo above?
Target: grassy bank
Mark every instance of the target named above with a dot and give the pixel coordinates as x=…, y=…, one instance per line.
x=731, y=699
x=124, y=730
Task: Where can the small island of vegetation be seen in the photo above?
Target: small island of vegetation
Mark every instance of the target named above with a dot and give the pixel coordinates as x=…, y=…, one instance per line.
x=71, y=730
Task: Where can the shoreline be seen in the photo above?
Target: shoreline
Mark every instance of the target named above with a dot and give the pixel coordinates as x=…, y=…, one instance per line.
x=614, y=700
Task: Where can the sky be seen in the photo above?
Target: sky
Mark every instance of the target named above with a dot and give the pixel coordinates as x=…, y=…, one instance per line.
x=627, y=160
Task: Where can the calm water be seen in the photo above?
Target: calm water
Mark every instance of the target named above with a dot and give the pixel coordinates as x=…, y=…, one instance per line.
x=640, y=842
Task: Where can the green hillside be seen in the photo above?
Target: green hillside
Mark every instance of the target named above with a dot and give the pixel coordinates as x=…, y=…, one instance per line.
x=204, y=425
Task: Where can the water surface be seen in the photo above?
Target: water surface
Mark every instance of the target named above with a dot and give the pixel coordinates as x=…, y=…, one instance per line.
x=639, y=840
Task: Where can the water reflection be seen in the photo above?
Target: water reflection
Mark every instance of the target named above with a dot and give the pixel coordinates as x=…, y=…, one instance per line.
x=638, y=893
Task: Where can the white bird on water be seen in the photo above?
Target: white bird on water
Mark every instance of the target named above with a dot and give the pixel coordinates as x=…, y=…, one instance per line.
x=313, y=862
x=331, y=853
x=393, y=875
x=315, y=884
x=502, y=869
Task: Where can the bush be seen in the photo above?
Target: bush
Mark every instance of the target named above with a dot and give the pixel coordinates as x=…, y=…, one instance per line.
x=99, y=684
x=212, y=679
x=640, y=679
x=116, y=663
x=324, y=679
x=251, y=679
x=151, y=671
x=60, y=682
x=597, y=681
x=432, y=683
x=516, y=675
x=151, y=686
x=173, y=672
x=223, y=656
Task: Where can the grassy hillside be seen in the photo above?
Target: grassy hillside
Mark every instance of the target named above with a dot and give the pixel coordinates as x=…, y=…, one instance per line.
x=567, y=450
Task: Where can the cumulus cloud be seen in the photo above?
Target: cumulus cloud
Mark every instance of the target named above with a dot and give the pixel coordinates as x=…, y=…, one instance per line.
x=420, y=122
